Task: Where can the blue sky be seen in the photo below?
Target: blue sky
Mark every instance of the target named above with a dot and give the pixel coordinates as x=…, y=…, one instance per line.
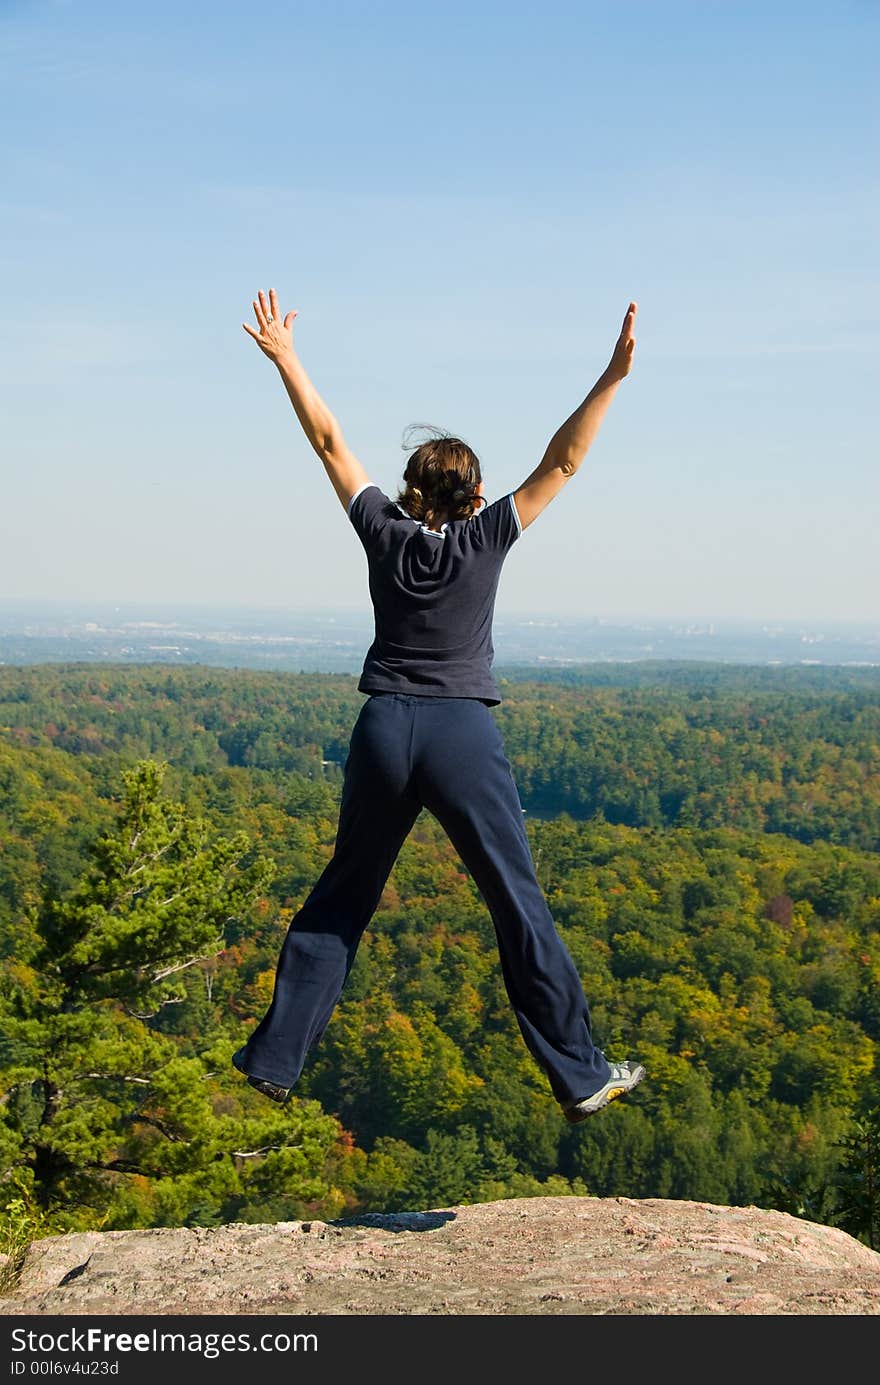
x=459, y=199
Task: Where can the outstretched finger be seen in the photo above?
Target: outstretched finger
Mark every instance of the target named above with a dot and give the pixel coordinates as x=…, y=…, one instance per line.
x=260, y=316
x=273, y=305
x=250, y=331
x=629, y=317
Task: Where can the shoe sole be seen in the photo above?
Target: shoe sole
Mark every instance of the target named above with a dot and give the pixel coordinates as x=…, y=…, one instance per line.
x=264, y=1086
x=268, y=1089
x=584, y=1109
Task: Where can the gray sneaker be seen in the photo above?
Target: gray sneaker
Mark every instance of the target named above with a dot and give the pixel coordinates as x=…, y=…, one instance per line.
x=624, y=1076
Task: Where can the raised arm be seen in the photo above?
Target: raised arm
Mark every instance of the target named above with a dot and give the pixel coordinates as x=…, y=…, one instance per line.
x=275, y=340
x=570, y=443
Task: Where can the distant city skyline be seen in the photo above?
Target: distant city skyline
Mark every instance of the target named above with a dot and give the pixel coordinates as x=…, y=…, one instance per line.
x=460, y=218
x=321, y=642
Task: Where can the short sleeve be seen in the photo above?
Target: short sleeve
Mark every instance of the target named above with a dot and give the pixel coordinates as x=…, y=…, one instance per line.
x=369, y=511
x=499, y=524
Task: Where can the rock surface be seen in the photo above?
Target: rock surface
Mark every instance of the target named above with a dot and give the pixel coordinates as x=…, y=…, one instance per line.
x=519, y=1256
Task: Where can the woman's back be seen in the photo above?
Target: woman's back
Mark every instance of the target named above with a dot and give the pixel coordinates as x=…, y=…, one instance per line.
x=433, y=594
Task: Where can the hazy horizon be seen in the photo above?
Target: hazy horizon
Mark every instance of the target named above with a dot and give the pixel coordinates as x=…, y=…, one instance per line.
x=504, y=611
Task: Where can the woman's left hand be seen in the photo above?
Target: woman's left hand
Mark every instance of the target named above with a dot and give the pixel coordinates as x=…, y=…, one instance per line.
x=275, y=338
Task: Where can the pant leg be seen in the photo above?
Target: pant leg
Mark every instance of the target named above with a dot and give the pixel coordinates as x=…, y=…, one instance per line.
x=377, y=811
x=465, y=779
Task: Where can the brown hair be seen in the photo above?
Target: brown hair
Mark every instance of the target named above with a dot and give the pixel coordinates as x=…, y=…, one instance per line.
x=440, y=478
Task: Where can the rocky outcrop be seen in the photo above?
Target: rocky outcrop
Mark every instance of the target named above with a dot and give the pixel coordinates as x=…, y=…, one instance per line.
x=519, y=1256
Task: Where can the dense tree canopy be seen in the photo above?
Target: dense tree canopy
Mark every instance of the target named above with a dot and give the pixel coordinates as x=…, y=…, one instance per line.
x=708, y=849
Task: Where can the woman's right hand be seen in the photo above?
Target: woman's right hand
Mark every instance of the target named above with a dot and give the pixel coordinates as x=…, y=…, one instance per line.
x=621, y=360
x=275, y=337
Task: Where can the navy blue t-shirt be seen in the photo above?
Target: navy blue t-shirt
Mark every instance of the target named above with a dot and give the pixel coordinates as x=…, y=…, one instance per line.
x=433, y=593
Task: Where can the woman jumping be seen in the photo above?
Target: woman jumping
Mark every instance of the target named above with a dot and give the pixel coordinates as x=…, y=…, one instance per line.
x=425, y=737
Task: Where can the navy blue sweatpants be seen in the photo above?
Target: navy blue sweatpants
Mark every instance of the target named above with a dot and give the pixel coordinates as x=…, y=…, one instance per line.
x=445, y=754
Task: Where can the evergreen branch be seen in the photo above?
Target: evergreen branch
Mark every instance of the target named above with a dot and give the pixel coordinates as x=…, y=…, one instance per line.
x=97, y=969
x=148, y=860
x=117, y=1077
x=140, y=1119
x=148, y=1014
x=253, y=1153
x=163, y=903
x=118, y=1166
x=180, y=966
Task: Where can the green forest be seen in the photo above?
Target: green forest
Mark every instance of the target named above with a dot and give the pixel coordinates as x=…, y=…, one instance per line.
x=708, y=839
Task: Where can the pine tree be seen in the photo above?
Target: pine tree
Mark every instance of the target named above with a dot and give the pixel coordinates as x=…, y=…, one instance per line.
x=108, y=1121
x=858, y=1180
